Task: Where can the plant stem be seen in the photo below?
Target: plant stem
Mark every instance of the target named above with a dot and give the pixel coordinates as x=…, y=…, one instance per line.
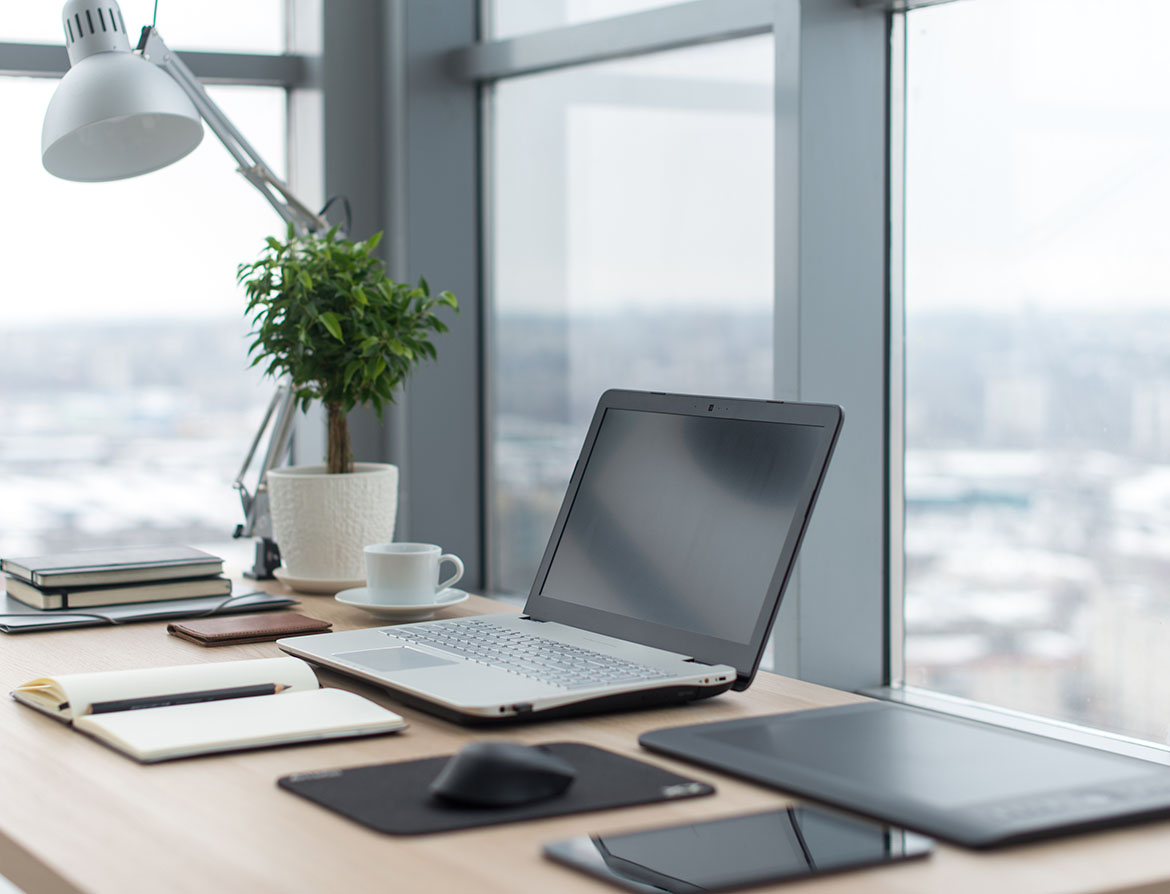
x=339, y=457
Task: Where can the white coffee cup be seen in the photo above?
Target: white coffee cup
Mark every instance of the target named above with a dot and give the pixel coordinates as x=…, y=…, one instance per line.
x=407, y=573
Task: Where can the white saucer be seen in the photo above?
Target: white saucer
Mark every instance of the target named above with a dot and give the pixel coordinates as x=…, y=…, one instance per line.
x=315, y=584
x=358, y=597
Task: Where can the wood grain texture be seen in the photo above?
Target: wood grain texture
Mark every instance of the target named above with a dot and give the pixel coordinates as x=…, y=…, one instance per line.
x=76, y=816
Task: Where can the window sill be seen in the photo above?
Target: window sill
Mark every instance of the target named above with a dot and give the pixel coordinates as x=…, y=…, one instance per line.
x=1018, y=720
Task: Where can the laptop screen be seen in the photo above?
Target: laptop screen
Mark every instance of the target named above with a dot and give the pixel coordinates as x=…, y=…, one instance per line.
x=681, y=523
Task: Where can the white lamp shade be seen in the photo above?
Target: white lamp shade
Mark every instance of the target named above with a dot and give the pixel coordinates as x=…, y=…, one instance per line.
x=116, y=115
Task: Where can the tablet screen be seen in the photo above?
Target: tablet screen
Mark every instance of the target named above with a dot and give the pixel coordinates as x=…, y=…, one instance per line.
x=718, y=855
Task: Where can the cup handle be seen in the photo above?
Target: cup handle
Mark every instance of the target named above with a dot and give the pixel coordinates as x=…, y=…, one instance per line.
x=458, y=563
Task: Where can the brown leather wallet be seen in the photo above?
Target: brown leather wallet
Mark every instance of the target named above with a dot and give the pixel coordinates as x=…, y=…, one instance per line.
x=228, y=630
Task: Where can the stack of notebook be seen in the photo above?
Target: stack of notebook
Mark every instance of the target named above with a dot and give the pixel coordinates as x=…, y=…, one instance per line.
x=114, y=577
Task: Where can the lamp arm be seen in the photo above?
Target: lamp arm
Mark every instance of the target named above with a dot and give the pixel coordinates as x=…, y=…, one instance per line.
x=292, y=210
x=257, y=515
x=257, y=519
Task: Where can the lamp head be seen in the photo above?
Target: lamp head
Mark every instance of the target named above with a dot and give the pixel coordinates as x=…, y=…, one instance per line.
x=114, y=114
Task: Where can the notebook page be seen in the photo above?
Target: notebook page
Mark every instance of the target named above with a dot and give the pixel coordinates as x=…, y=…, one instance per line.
x=152, y=734
x=81, y=690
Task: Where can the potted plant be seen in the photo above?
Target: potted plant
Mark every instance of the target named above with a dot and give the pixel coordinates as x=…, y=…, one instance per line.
x=325, y=315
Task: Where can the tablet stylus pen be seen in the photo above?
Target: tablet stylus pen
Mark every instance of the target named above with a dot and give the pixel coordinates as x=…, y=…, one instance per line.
x=185, y=698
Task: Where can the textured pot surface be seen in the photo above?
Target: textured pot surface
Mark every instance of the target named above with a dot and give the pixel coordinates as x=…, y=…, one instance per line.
x=322, y=522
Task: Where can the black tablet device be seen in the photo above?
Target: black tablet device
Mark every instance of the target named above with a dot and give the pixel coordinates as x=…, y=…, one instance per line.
x=970, y=783
x=737, y=852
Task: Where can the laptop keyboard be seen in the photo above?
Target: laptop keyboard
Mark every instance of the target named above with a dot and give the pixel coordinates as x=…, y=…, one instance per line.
x=547, y=660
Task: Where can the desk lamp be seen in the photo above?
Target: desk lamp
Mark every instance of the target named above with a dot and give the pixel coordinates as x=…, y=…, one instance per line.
x=119, y=113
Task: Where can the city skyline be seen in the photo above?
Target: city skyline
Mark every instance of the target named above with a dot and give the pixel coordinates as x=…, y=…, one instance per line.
x=1037, y=472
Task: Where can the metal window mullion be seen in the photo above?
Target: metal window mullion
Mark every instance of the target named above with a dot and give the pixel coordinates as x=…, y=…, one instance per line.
x=844, y=323
x=287, y=70
x=33, y=60
x=897, y=5
x=489, y=533
x=432, y=198
x=786, y=344
x=896, y=511
x=653, y=31
x=253, y=69
x=396, y=136
x=305, y=164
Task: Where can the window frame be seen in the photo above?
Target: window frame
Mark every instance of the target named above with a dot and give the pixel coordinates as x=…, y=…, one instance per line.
x=489, y=63
x=290, y=71
x=831, y=319
x=839, y=327
x=401, y=89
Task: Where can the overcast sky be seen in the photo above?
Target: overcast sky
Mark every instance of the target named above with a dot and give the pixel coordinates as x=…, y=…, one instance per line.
x=1038, y=168
x=162, y=245
x=1038, y=174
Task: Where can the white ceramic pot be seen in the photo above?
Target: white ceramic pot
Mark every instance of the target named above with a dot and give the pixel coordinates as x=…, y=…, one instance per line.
x=322, y=522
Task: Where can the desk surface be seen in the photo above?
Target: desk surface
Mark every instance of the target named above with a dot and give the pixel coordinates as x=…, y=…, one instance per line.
x=76, y=816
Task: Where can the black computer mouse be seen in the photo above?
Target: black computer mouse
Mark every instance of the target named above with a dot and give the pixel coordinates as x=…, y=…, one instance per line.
x=502, y=774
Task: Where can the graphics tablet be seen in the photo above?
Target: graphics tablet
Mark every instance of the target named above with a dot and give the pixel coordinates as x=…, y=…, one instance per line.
x=970, y=783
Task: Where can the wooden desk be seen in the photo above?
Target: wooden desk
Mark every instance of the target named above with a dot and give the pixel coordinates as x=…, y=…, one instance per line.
x=76, y=816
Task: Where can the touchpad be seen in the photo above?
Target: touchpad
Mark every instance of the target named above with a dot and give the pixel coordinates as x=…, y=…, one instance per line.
x=392, y=659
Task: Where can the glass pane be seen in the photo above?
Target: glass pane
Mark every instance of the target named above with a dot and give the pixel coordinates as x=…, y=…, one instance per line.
x=1038, y=358
x=510, y=18
x=214, y=25
x=632, y=244
x=125, y=391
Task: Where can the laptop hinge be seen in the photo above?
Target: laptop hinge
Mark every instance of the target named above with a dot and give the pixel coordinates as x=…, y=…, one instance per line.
x=530, y=618
x=697, y=661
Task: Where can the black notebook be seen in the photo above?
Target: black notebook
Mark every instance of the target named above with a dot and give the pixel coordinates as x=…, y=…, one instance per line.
x=116, y=594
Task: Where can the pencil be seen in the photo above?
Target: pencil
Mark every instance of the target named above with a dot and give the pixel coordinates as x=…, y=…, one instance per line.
x=185, y=698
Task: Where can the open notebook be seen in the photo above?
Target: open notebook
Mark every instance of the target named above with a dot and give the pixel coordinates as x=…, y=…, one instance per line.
x=160, y=713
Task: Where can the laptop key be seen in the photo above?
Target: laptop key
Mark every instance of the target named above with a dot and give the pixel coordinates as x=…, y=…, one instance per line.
x=570, y=667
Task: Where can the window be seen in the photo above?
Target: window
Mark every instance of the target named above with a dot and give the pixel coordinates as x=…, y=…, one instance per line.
x=1037, y=319
x=217, y=25
x=124, y=381
x=632, y=233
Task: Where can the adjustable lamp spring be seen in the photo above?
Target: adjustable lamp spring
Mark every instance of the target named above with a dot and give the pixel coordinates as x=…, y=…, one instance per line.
x=119, y=113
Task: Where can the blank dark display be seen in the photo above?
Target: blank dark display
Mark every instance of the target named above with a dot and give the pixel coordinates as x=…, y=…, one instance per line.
x=679, y=519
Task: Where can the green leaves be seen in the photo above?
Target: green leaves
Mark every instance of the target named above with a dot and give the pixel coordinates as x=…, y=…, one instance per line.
x=333, y=324
x=325, y=314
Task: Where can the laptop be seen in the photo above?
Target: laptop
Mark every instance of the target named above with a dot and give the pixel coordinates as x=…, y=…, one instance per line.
x=660, y=581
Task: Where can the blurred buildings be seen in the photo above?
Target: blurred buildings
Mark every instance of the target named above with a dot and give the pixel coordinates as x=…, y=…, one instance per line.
x=123, y=433
x=1038, y=514
x=1037, y=471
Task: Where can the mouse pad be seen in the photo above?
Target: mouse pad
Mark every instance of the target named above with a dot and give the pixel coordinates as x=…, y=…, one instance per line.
x=396, y=798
